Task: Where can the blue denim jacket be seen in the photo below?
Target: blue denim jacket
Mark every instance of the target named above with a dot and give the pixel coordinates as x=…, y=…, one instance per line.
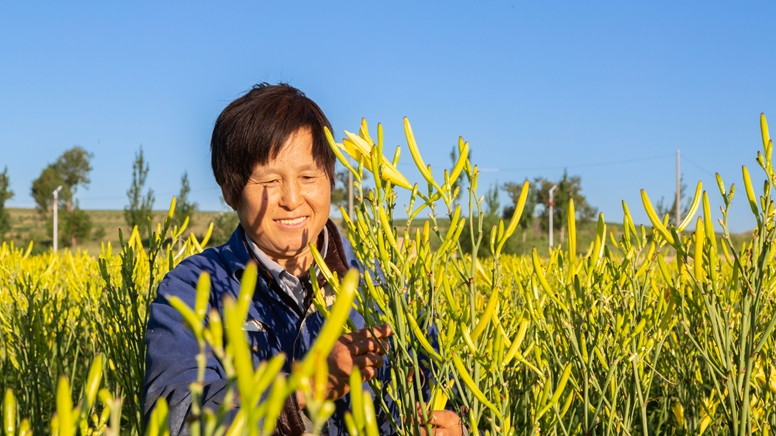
x=171, y=347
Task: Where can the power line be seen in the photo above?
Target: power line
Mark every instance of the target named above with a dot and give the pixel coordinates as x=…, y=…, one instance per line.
x=699, y=167
x=590, y=164
x=556, y=167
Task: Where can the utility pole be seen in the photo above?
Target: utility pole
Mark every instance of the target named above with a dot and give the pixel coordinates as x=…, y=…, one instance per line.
x=551, y=212
x=678, y=191
x=56, y=207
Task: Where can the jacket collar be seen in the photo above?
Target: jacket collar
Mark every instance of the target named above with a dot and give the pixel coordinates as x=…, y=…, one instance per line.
x=235, y=254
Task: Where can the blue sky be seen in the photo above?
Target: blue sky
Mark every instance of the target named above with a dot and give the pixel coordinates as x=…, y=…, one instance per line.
x=607, y=90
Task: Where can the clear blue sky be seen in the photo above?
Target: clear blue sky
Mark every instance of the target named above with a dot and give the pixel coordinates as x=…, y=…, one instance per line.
x=608, y=90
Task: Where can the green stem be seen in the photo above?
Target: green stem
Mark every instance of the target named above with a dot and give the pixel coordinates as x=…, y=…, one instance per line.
x=637, y=382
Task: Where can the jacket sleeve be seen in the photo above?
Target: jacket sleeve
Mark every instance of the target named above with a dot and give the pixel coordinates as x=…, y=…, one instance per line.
x=171, y=366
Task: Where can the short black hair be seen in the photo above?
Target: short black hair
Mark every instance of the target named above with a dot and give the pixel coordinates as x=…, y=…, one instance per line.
x=252, y=129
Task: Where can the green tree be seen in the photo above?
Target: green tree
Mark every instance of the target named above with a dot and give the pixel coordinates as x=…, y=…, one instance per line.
x=5, y=195
x=492, y=204
x=183, y=206
x=339, y=192
x=70, y=171
x=73, y=167
x=74, y=227
x=568, y=188
x=527, y=218
x=140, y=206
x=43, y=188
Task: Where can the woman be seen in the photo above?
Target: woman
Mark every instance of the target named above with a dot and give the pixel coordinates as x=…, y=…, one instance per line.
x=275, y=168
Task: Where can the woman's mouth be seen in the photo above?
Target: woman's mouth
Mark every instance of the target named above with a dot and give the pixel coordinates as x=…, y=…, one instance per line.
x=292, y=221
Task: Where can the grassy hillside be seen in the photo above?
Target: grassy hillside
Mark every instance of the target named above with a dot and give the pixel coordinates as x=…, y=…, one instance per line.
x=28, y=225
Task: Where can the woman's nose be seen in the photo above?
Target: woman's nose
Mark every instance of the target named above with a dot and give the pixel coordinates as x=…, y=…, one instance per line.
x=291, y=196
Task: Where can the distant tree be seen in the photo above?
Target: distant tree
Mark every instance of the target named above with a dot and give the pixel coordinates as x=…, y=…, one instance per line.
x=339, y=193
x=74, y=227
x=568, y=187
x=183, y=206
x=224, y=224
x=73, y=167
x=5, y=195
x=662, y=210
x=43, y=188
x=70, y=171
x=492, y=205
x=527, y=218
x=140, y=206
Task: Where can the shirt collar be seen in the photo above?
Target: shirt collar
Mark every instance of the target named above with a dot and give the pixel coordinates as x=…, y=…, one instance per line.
x=273, y=267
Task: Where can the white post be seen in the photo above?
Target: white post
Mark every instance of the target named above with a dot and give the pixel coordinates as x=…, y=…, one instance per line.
x=551, y=212
x=56, y=207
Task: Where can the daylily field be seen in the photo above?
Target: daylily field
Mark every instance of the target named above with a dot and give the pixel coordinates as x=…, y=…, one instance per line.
x=661, y=329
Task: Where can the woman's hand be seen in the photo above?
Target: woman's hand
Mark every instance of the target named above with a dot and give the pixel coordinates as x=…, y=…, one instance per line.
x=444, y=423
x=359, y=350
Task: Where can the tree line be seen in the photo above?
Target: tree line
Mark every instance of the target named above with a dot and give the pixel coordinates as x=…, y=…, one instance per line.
x=70, y=171
x=536, y=213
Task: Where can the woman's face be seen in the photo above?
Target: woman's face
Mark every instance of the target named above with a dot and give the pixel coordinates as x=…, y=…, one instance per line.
x=286, y=203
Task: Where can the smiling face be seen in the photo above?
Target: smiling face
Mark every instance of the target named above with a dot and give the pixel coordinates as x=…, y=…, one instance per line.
x=286, y=203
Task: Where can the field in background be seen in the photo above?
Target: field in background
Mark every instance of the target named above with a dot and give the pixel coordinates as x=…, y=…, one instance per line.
x=28, y=226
